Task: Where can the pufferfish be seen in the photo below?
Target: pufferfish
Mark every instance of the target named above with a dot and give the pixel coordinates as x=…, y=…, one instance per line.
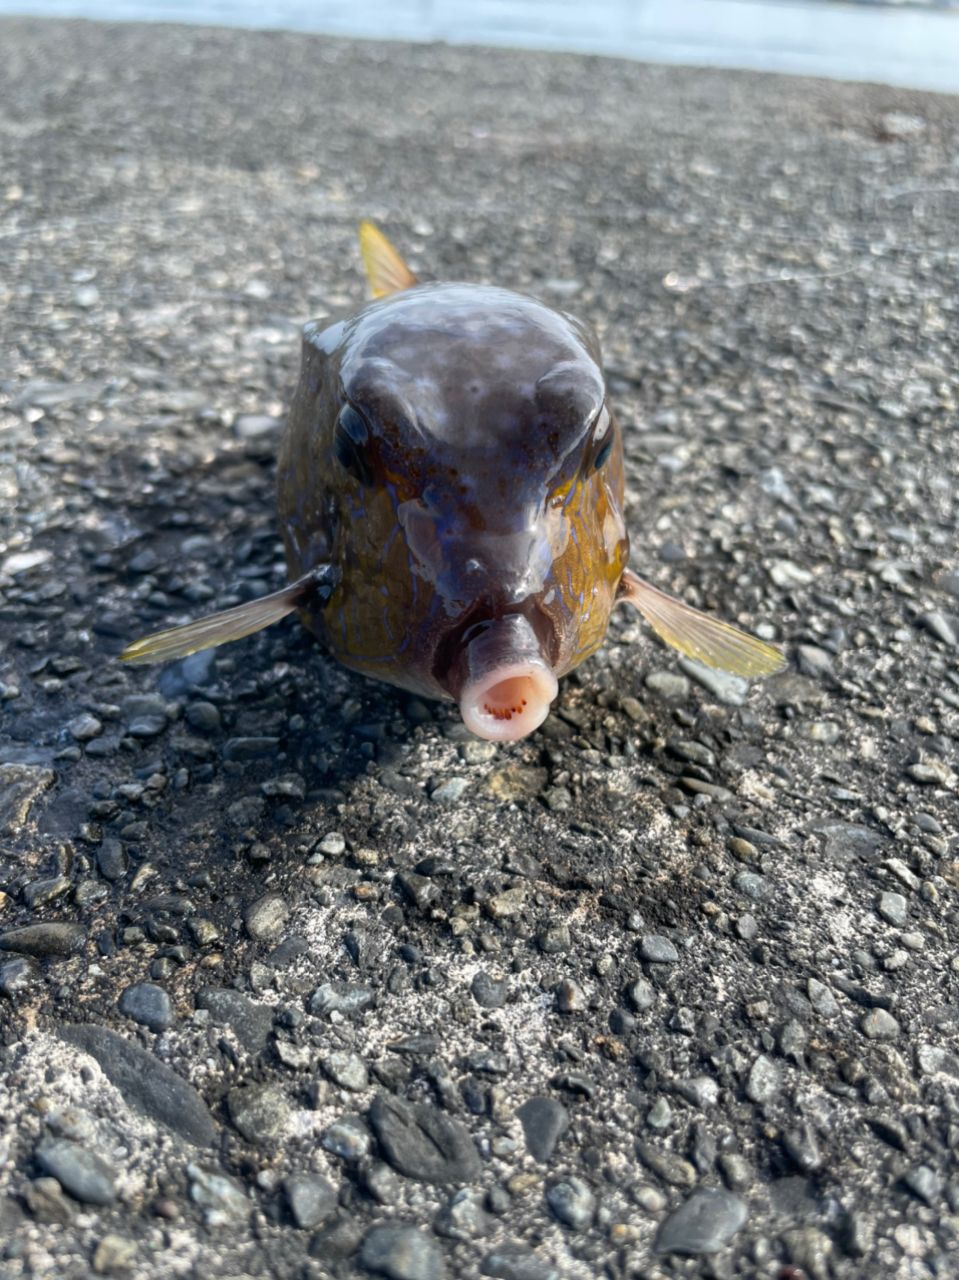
x=450, y=495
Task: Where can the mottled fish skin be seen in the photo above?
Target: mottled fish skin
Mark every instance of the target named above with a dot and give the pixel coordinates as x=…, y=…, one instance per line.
x=479, y=494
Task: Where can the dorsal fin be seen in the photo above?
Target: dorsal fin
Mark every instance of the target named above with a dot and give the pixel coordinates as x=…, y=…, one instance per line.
x=385, y=269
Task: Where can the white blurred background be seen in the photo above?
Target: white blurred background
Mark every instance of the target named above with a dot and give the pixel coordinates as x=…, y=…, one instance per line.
x=914, y=44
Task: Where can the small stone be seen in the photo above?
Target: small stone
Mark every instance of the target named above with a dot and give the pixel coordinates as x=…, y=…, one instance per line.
x=554, y=939
x=660, y=1115
x=347, y=998
x=641, y=995
x=347, y=1138
x=203, y=716
x=570, y=997
x=20, y=785
x=803, y=1149
x=82, y=1173
x=893, y=908
x=111, y=860
x=45, y=1199
x=348, y=1070
x=704, y=1223
x=221, y=1197
x=701, y=1091
x=114, y=1253
x=312, y=1200
x=256, y=426
x=463, y=1216
x=147, y=1004
x=572, y=1202
x=810, y=1249
x=266, y=918
x=146, y=726
x=728, y=689
x=821, y=998
x=764, y=1081
x=516, y=1262
x=940, y=626
x=487, y=991
x=333, y=844
x=502, y=906
x=423, y=1142
x=878, y=1024
x=924, y=1183
x=672, y=1169
x=786, y=574
x=52, y=939
x=656, y=949
x=544, y=1122
x=84, y=727
x=402, y=1253
x=450, y=791
x=260, y=1112
x=17, y=976
x=250, y=1021
x=931, y=773
x=668, y=685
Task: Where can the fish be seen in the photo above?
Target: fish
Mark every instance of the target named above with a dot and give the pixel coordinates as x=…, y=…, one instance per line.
x=450, y=493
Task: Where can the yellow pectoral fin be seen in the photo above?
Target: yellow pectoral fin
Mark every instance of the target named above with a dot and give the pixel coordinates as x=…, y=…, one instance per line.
x=697, y=635
x=385, y=269
x=231, y=624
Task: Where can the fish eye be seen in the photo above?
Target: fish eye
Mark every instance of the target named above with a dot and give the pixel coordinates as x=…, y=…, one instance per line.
x=604, y=428
x=350, y=439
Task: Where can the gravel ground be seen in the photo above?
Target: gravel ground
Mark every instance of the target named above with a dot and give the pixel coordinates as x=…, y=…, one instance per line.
x=296, y=980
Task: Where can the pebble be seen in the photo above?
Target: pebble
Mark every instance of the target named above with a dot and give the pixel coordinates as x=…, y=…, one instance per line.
x=764, y=1081
x=660, y=1115
x=266, y=918
x=878, y=1024
x=52, y=939
x=347, y=998
x=656, y=949
x=930, y=773
x=422, y=1142
x=203, y=716
x=728, y=689
x=939, y=625
x=260, y=1112
x=924, y=1183
x=463, y=1216
x=821, y=998
x=146, y=726
x=347, y=1138
x=554, y=939
x=641, y=995
x=17, y=976
x=84, y=727
x=544, y=1122
x=893, y=908
x=45, y=1199
x=221, y=1197
x=450, y=791
x=312, y=1199
x=671, y=1168
x=572, y=1202
x=348, y=1070
x=487, y=991
x=502, y=906
x=668, y=685
x=111, y=860
x=20, y=785
x=332, y=845
x=145, y=1083
x=401, y=1252
x=82, y=1173
x=114, y=1253
x=701, y=1091
x=516, y=1262
x=570, y=997
x=251, y=1021
x=147, y=1004
x=704, y=1223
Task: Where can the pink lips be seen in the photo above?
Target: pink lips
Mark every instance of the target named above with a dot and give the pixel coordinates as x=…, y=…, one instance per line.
x=509, y=701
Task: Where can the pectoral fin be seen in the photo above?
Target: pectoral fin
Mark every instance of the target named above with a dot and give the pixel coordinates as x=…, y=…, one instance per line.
x=715, y=643
x=231, y=624
x=385, y=269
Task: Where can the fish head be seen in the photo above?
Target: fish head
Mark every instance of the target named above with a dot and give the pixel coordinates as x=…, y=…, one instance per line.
x=479, y=531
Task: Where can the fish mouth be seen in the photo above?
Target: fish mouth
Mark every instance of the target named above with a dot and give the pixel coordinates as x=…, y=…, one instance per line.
x=502, y=680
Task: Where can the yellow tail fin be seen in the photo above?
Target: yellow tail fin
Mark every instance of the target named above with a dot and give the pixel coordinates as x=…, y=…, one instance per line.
x=385, y=269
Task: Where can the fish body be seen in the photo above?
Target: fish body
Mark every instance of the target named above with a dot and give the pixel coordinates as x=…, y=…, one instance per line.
x=450, y=495
x=474, y=493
